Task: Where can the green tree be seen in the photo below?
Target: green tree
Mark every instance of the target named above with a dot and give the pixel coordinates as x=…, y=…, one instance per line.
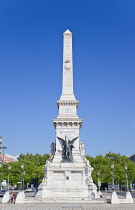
x=37, y=159
x=102, y=164
x=32, y=165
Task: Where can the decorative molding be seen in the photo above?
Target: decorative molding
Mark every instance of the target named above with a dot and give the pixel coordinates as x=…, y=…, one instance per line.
x=67, y=103
x=70, y=124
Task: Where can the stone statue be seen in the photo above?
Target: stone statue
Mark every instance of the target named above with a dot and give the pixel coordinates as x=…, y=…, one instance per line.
x=53, y=149
x=45, y=180
x=82, y=149
x=67, y=146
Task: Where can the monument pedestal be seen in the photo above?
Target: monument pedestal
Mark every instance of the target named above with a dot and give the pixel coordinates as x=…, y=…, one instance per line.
x=67, y=180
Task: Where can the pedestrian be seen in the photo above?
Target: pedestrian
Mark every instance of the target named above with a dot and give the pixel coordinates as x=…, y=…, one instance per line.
x=12, y=198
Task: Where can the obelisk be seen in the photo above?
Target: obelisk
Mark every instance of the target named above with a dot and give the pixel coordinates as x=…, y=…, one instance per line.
x=67, y=123
x=67, y=84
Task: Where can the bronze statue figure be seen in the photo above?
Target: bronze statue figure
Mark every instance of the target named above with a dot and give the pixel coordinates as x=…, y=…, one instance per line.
x=67, y=146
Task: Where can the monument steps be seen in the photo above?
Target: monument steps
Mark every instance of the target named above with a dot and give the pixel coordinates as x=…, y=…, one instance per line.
x=63, y=200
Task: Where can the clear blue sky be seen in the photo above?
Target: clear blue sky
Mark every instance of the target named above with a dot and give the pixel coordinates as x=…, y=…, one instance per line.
x=31, y=72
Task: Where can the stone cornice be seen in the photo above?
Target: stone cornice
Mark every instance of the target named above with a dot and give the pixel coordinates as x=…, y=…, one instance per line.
x=67, y=122
x=67, y=103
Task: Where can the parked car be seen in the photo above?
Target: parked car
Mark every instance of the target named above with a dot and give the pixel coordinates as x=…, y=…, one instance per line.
x=28, y=190
x=2, y=192
x=16, y=188
x=132, y=190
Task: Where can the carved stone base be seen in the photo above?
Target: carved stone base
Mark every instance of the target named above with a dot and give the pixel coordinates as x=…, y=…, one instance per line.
x=67, y=180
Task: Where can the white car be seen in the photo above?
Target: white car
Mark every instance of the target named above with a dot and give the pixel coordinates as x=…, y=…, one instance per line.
x=28, y=190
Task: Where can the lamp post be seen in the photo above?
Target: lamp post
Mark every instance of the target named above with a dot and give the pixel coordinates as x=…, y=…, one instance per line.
x=0, y=173
x=9, y=168
x=2, y=147
x=0, y=143
x=112, y=168
x=3, y=151
x=37, y=173
x=23, y=178
x=22, y=170
x=126, y=168
x=98, y=175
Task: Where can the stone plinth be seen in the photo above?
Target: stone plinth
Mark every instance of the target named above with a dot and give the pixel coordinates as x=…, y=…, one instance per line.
x=20, y=197
x=128, y=198
x=114, y=198
x=6, y=197
x=67, y=180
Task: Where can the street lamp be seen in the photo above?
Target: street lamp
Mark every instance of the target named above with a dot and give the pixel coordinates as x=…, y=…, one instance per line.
x=2, y=147
x=0, y=162
x=0, y=143
x=98, y=175
x=23, y=178
x=9, y=168
x=112, y=172
x=22, y=170
x=126, y=168
x=3, y=152
x=37, y=173
x=22, y=165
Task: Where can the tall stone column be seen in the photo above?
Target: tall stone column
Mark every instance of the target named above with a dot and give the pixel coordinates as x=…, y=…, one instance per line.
x=67, y=123
x=67, y=84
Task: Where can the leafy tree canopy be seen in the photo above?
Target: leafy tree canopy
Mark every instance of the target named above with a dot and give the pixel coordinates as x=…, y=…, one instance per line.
x=33, y=165
x=102, y=164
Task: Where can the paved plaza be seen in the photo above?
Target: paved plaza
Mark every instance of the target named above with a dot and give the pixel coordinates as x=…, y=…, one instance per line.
x=67, y=206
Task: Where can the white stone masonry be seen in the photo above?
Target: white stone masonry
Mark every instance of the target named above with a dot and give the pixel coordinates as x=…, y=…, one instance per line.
x=67, y=180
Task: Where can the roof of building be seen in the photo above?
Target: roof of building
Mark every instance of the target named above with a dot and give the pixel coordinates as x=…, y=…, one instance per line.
x=14, y=157
x=131, y=156
x=6, y=158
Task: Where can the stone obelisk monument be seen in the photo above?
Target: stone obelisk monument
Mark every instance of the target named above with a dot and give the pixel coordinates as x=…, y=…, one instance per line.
x=67, y=123
x=67, y=172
